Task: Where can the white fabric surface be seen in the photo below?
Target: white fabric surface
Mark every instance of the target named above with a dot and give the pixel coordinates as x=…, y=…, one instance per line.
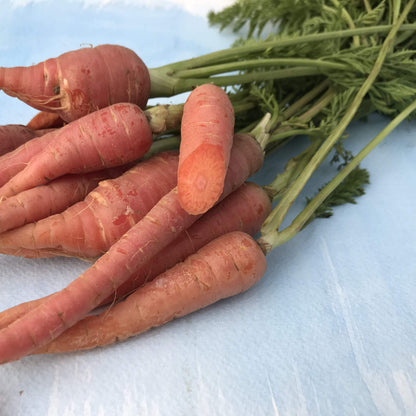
x=329, y=330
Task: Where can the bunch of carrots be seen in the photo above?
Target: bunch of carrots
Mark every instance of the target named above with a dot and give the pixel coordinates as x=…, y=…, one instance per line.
x=166, y=232
x=168, y=225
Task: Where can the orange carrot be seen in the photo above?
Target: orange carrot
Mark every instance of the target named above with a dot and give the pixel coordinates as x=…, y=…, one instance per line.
x=79, y=82
x=142, y=242
x=43, y=201
x=14, y=135
x=45, y=120
x=109, y=137
x=206, y=139
x=225, y=267
x=88, y=228
x=244, y=210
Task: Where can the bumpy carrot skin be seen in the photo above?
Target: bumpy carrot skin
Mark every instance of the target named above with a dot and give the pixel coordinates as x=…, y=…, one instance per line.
x=88, y=228
x=225, y=267
x=68, y=84
x=206, y=138
x=244, y=210
x=109, y=137
x=13, y=136
x=141, y=243
x=45, y=120
x=43, y=201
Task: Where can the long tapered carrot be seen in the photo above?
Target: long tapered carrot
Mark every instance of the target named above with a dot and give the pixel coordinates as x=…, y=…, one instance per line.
x=41, y=202
x=143, y=241
x=227, y=266
x=206, y=138
x=109, y=137
x=243, y=210
x=79, y=82
x=88, y=228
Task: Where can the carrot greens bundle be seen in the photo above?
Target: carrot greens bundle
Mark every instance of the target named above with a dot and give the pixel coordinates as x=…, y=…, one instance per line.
x=299, y=69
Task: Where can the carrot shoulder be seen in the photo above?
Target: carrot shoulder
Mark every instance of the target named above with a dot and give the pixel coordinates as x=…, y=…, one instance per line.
x=142, y=242
x=225, y=267
x=206, y=138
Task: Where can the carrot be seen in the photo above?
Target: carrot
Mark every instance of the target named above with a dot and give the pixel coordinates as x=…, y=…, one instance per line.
x=109, y=137
x=88, y=228
x=13, y=136
x=43, y=201
x=45, y=120
x=225, y=267
x=142, y=242
x=206, y=139
x=14, y=161
x=244, y=210
x=81, y=81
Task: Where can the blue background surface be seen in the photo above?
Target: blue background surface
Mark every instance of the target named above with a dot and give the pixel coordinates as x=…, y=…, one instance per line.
x=329, y=330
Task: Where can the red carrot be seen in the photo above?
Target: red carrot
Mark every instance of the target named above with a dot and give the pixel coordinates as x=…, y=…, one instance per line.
x=106, y=138
x=142, y=242
x=88, y=228
x=14, y=135
x=45, y=120
x=225, y=267
x=43, y=201
x=79, y=82
x=206, y=139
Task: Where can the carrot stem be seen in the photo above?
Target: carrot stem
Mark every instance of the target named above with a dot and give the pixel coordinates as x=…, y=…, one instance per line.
x=305, y=215
x=256, y=63
x=270, y=229
x=165, y=83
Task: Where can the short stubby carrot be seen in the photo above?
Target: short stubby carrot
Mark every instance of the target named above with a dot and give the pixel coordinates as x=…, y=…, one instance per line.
x=88, y=228
x=225, y=267
x=13, y=136
x=206, y=138
x=136, y=247
x=243, y=210
x=109, y=137
x=58, y=195
x=45, y=120
x=79, y=82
